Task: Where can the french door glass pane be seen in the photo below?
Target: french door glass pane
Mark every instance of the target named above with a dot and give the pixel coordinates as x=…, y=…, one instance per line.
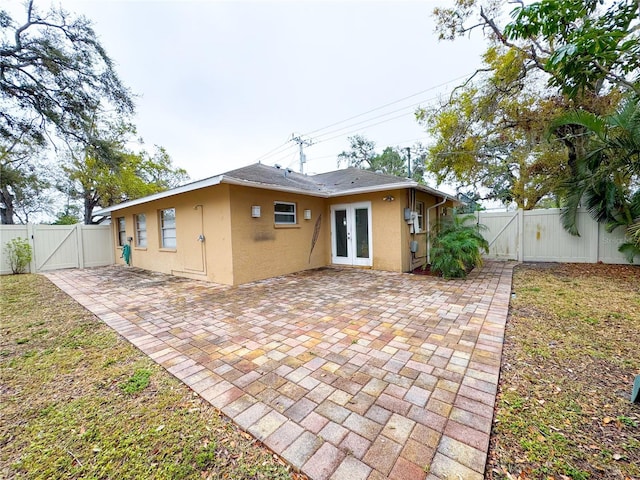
x=341, y=233
x=362, y=232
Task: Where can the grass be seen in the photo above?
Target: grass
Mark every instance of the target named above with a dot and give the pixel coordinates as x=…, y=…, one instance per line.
x=570, y=356
x=78, y=401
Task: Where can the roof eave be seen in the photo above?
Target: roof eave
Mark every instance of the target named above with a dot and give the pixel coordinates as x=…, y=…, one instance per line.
x=396, y=186
x=373, y=189
x=219, y=179
x=438, y=193
x=207, y=182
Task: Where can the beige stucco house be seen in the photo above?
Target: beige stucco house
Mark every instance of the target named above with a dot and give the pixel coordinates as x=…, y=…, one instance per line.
x=260, y=221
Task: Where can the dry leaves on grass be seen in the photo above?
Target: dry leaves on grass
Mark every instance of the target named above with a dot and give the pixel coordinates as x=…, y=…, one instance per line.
x=569, y=360
x=77, y=398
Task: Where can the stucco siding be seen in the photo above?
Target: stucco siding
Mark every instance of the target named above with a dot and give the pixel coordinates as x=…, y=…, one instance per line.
x=387, y=225
x=218, y=238
x=262, y=249
x=205, y=212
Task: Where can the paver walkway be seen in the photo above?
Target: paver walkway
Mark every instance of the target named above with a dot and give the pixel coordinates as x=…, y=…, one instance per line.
x=347, y=374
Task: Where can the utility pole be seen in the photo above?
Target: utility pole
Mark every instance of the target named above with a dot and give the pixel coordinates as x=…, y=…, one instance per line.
x=408, y=149
x=302, y=142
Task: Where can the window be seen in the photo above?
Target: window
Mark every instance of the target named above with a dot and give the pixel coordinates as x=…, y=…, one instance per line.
x=122, y=233
x=285, y=213
x=420, y=210
x=141, y=230
x=168, y=228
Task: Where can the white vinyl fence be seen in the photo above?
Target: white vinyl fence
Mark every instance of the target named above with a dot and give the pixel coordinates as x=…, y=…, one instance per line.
x=61, y=246
x=538, y=236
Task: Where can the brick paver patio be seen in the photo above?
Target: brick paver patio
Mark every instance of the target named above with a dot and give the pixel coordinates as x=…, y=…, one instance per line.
x=347, y=374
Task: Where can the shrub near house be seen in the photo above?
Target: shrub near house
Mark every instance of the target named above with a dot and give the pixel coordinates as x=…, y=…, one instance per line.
x=18, y=254
x=457, y=247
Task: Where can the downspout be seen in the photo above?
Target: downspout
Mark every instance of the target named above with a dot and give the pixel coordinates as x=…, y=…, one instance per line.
x=444, y=200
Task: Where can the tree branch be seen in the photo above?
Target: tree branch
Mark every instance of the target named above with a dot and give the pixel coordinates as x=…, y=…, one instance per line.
x=617, y=78
x=498, y=33
x=480, y=70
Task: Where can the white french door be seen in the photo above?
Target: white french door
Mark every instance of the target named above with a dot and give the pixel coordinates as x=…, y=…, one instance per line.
x=351, y=234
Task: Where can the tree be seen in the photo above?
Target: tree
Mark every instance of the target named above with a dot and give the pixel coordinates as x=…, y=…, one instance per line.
x=54, y=76
x=581, y=46
x=126, y=177
x=588, y=47
x=69, y=216
x=360, y=154
x=490, y=136
x=23, y=183
x=391, y=161
x=538, y=67
x=608, y=180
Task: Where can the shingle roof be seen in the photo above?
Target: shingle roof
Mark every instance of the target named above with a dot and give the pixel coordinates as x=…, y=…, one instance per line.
x=283, y=177
x=330, y=184
x=340, y=181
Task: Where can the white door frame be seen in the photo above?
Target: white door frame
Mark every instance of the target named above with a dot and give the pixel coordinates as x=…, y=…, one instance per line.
x=351, y=233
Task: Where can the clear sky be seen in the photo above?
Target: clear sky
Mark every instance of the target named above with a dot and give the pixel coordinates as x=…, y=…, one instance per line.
x=222, y=83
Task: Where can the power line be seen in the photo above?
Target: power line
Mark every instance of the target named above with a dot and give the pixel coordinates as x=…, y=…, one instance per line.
x=360, y=129
x=285, y=146
x=378, y=116
x=388, y=104
x=272, y=152
x=281, y=151
x=363, y=124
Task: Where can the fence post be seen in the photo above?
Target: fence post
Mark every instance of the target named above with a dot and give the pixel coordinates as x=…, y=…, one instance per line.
x=32, y=242
x=80, y=244
x=520, y=235
x=595, y=247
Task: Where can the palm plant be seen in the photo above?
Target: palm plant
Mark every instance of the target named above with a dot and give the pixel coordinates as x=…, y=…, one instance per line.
x=457, y=246
x=607, y=180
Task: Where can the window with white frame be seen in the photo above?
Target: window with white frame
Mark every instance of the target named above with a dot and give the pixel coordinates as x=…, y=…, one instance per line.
x=141, y=230
x=168, y=228
x=420, y=211
x=122, y=233
x=284, y=213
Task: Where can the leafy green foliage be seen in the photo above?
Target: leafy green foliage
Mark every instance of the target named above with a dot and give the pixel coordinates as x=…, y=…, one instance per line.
x=18, y=254
x=608, y=173
x=69, y=216
x=58, y=83
x=55, y=75
x=113, y=174
x=392, y=161
x=489, y=137
x=581, y=47
x=589, y=46
x=553, y=56
x=23, y=182
x=361, y=152
x=456, y=247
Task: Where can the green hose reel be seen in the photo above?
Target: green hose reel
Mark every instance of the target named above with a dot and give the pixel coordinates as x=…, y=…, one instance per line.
x=126, y=253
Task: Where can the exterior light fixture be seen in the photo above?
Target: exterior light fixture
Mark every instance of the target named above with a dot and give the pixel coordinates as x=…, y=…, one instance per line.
x=307, y=214
x=388, y=198
x=255, y=211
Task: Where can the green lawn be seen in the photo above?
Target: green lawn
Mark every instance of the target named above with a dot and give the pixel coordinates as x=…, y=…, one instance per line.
x=78, y=401
x=571, y=353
